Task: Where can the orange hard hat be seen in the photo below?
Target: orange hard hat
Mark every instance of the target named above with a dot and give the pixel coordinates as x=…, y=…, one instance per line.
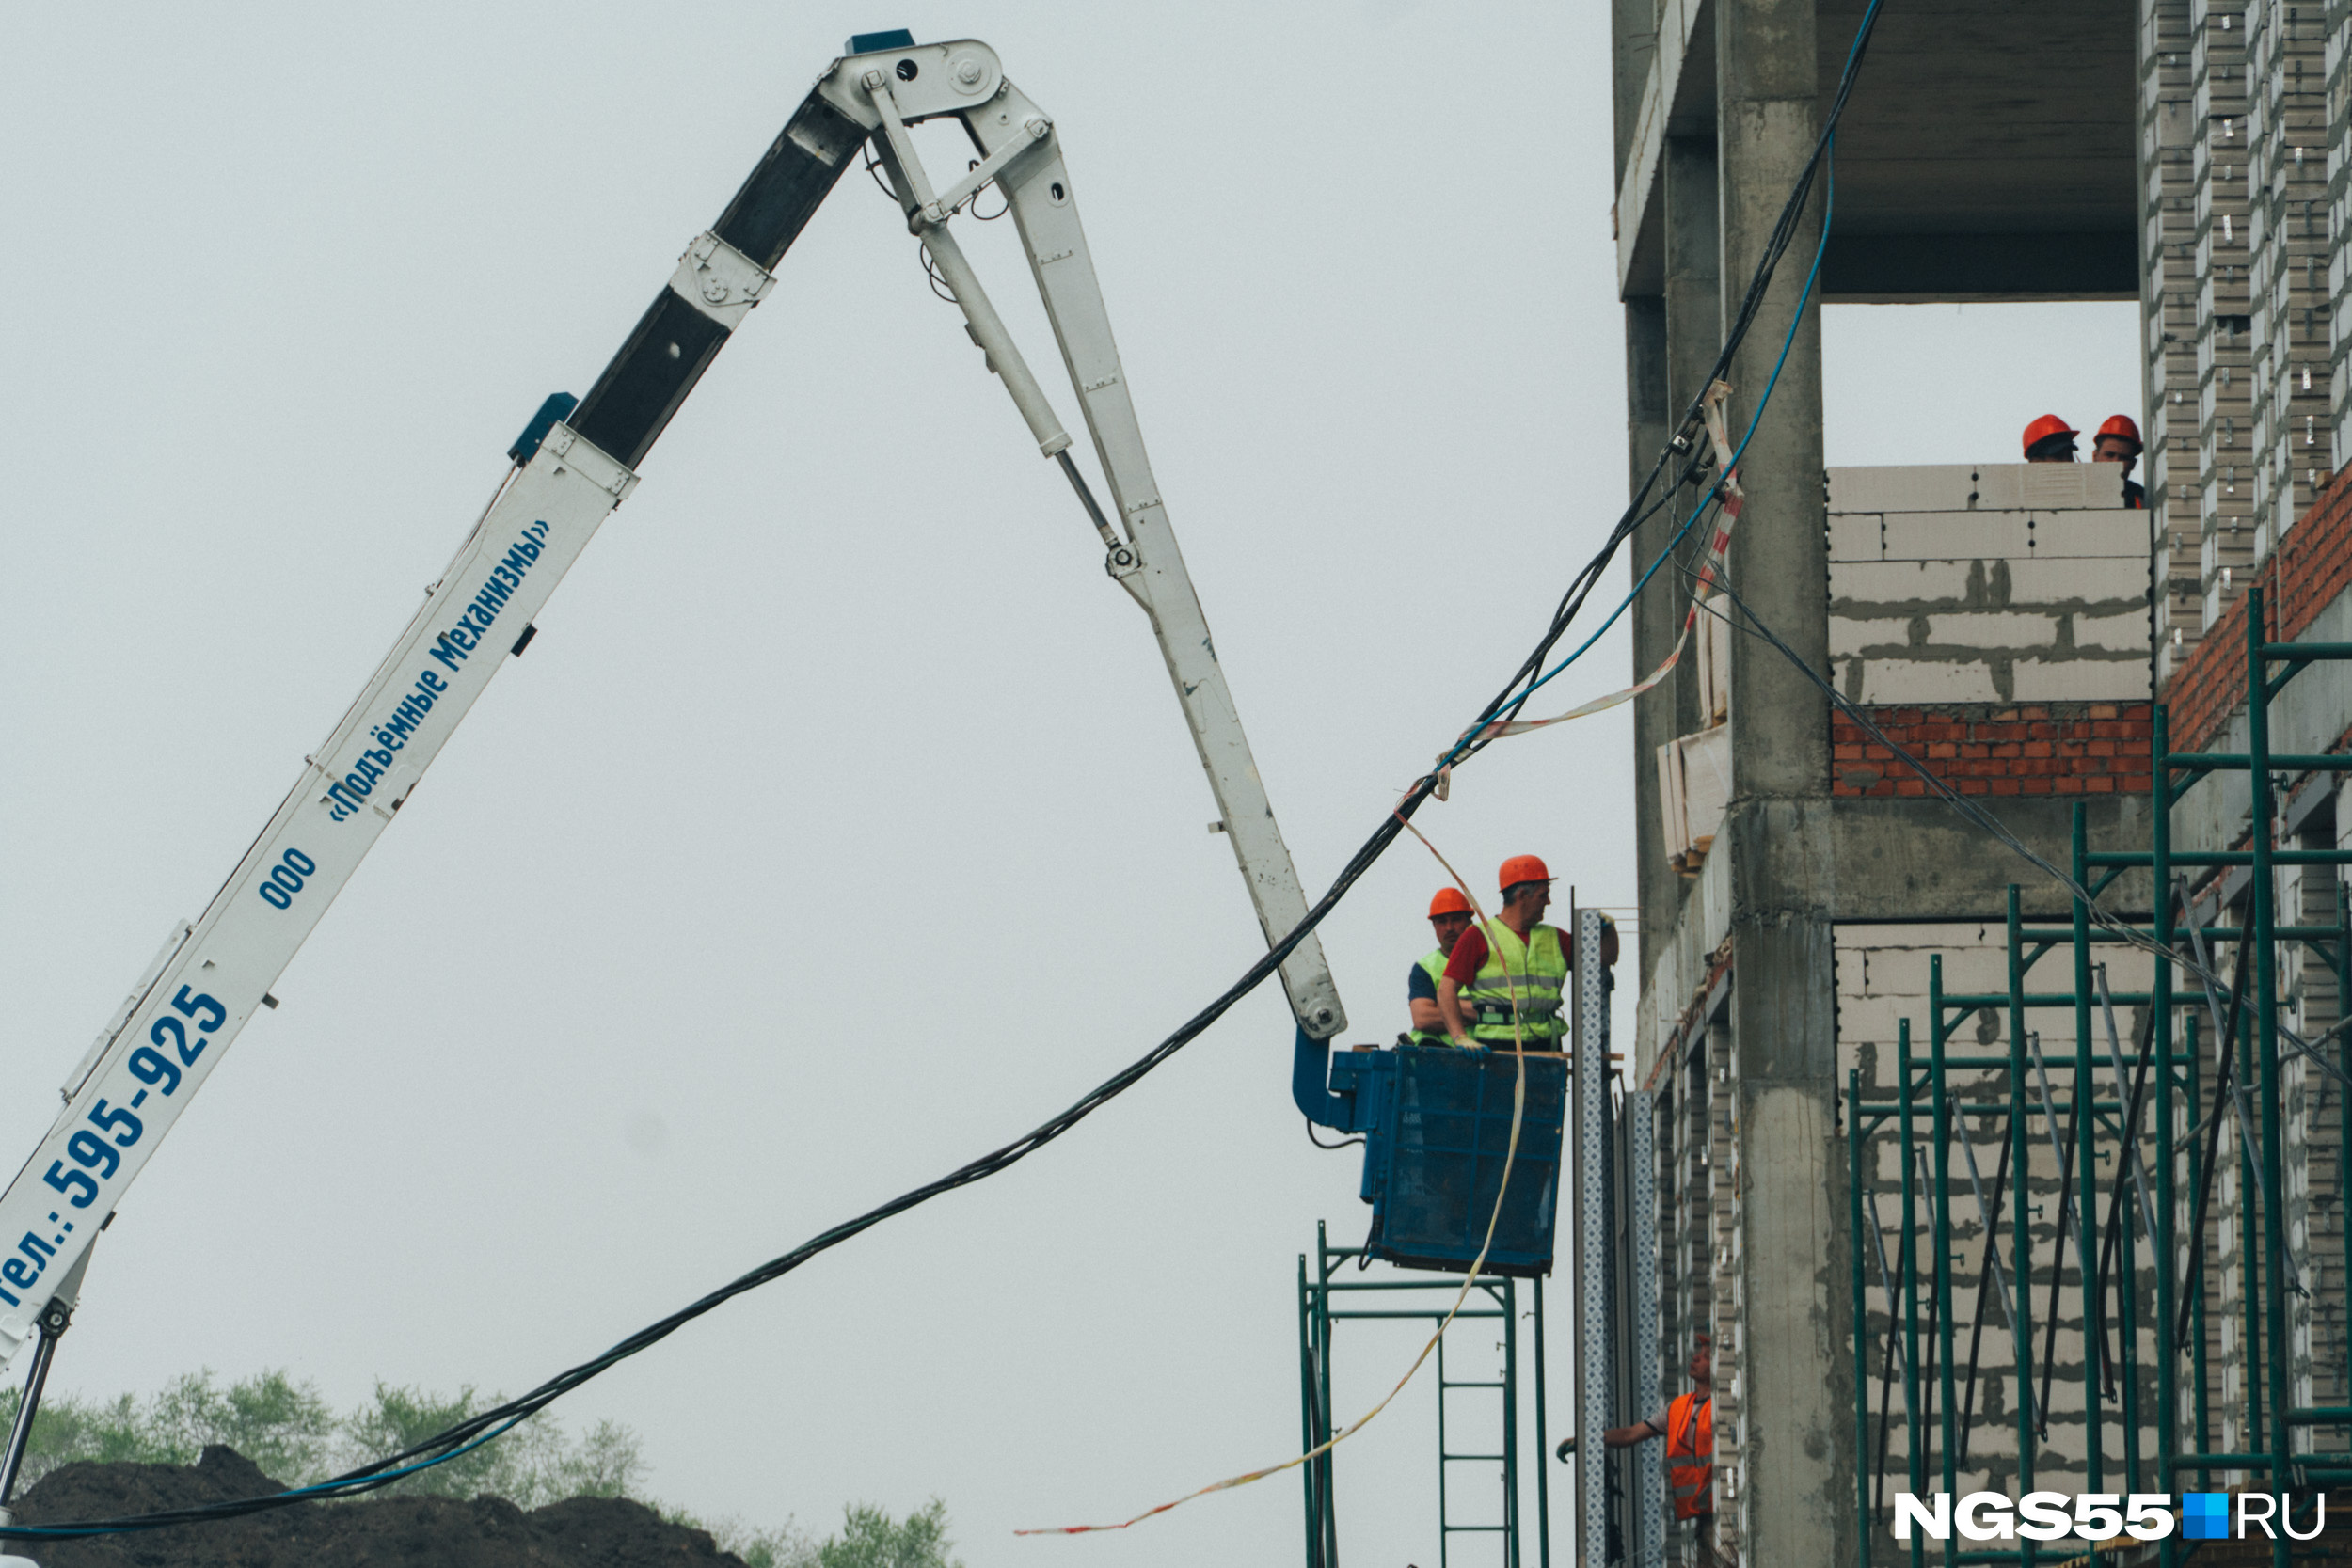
x=1449, y=901
x=2046, y=427
x=1523, y=868
x=2121, y=424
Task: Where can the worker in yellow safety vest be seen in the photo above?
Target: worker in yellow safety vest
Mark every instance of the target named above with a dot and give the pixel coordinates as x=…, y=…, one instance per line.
x=1688, y=1425
x=1450, y=915
x=1507, y=981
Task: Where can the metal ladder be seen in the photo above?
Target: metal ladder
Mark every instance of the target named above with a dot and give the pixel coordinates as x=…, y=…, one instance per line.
x=1508, y=1459
x=1325, y=1297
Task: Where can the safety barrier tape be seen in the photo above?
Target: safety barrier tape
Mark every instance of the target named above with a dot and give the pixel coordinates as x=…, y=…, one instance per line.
x=1510, y=1153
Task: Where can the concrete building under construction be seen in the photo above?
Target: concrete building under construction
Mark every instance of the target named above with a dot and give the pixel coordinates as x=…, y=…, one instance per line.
x=1907, y=1111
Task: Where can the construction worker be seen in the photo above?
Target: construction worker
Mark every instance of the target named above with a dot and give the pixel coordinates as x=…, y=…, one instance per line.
x=2117, y=441
x=1505, y=981
x=1688, y=1425
x=2050, y=439
x=1449, y=917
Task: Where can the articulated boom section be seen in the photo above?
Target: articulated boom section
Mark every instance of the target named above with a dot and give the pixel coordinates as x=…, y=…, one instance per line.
x=215, y=970
x=1021, y=151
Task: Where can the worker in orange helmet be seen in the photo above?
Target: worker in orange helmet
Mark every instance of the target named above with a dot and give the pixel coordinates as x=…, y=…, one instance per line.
x=1508, y=977
x=2050, y=439
x=2117, y=441
x=1450, y=915
x=1688, y=1424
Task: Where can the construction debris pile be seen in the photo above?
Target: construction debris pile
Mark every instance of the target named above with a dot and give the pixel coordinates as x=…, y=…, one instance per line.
x=487, y=1532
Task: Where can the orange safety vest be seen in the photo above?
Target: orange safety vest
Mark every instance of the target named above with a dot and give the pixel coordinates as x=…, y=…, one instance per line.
x=1691, y=1455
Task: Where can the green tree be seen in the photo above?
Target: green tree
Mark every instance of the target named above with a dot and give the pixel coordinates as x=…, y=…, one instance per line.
x=536, y=1464
x=870, y=1537
x=283, y=1426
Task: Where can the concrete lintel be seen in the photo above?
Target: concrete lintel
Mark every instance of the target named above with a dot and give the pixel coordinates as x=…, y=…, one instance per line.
x=1876, y=860
x=1908, y=859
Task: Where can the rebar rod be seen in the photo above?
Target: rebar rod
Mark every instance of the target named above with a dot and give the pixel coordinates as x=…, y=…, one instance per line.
x=2225, y=1044
x=2093, y=1333
x=1990, y=1270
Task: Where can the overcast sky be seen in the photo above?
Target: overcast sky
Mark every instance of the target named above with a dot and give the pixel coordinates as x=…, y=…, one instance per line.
x=840, y=823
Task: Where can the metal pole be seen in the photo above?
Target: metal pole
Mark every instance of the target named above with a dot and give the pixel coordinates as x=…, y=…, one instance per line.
x=2249, y=1273
x=2167, y=1243
x=2194, y=1275
x=1991, y=1280
x=2119, y=1239
x=2021, y=1233
x=20, y=1433
x=2095, y=1336
x=1306, y=1411
x=2086, y=1217
x=1947, y=1431
x=1916, y=1460
x=1648, y=1492
x=1511, y=1417
x=1593, y=1381
x=1861, y=1320
x=1323, y=1395
x=1543, y=1442
x=1445, y=1531
x=2266, y=1044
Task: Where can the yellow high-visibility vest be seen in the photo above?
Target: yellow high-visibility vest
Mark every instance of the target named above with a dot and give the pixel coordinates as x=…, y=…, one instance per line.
x=1526, y=981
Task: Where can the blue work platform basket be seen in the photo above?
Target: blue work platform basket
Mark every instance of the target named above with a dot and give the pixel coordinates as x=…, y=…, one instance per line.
x=1437, y=1124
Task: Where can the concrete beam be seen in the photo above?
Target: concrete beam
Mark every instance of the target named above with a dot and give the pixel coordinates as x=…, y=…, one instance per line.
x=1677, y=96
x=1899, y=269
x=1991, y=170
x=1909, y=859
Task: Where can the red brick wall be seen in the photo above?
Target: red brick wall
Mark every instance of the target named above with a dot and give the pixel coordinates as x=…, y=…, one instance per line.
x=2303, y=576
x=2046, y=749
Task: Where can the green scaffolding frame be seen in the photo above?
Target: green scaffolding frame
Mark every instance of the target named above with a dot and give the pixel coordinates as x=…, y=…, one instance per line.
x=2112, y=1216
x=1322, y=1287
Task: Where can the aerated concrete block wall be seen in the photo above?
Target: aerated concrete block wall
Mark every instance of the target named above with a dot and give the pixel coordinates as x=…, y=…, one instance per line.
x=1994, y=585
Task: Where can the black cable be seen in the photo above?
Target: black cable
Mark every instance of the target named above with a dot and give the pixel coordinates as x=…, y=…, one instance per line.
x=491, y=1422
x=1343, y=1143
x=1783, y=232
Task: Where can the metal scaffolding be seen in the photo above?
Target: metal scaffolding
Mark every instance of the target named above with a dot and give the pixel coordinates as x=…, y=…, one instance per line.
x=2163, y=1274
x=1324, y=1300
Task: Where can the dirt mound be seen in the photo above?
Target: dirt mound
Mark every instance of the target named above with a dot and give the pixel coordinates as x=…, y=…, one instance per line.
x=378, y=1532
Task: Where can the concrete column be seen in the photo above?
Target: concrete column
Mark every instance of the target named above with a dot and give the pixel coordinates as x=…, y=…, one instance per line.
x=1675, y=344
x=1633, y=44
x=1788, y=1397
x=1654, y=712
x=1633, y=38
x=1694, y=336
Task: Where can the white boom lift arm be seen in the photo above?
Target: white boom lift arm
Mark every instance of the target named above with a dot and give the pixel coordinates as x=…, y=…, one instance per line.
x=572, y=467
